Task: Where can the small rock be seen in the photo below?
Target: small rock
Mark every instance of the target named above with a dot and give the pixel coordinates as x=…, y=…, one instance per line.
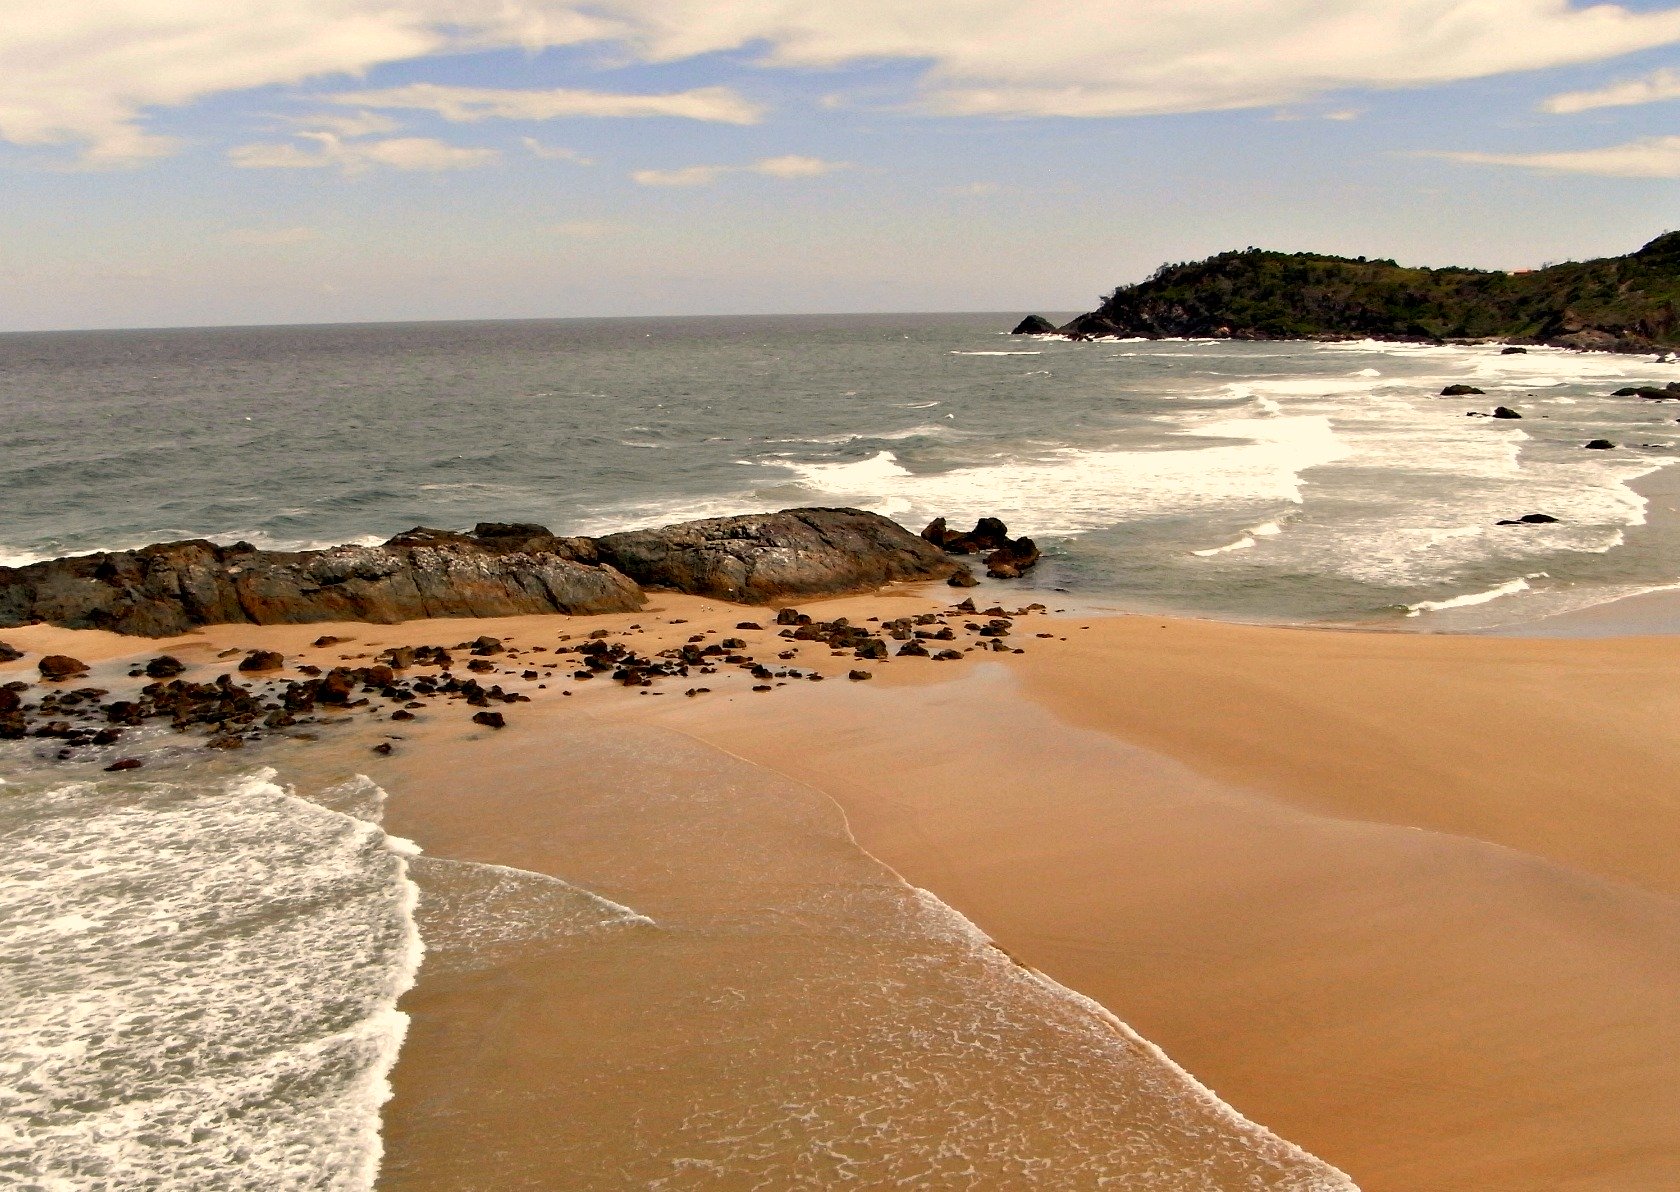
x=9, y=653
x=383, y=748
x=1529, y=519
x=1459, y=391
x=748, y=625
x=1513, y=351
x=490, y=719
x=262, y=660
x=963, y=578
x=487, y=645
x=165, y=667
x=1601, y=445
x=1505, y=412
x=124, y=763
x=859, y=676
x=323, y=642
x=61, y=666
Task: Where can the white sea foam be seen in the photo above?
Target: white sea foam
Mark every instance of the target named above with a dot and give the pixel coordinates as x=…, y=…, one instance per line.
x=202, y=986
x=1067, y=491
x=1509, y=588
x=1250, y=539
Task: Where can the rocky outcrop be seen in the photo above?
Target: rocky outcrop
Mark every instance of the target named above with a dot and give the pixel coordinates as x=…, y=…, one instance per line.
x=1006, y=557
x=170, y=588
x=496, y=570
x=1034, y=325
x=765, y=558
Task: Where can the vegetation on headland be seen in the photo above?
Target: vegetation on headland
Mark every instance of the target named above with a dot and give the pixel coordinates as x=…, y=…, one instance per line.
x=1629, y=303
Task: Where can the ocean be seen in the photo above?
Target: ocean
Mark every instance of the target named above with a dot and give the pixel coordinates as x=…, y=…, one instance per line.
x=202, y=968
x=1269, y=481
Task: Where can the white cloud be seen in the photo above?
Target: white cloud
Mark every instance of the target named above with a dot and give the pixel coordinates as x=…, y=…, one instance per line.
x=555, y=152
x=467, y=104
x=329, y=150
x=267, y=237
x=88, y=73
x=685, y=176
x=1653, y=88
x=1652, y=157
x=795, y=166
x=347, y=124
x=788, y=167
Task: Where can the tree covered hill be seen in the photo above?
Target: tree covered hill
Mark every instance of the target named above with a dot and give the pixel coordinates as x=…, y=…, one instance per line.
x=1628, y=303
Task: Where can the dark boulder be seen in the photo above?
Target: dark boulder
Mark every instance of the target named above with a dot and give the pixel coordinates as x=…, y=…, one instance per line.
x=490, y=719
x=1009, y=561
x=58, y=667
x=1460, y=391
x=1505, y=412
x=124, y=763
x=1601, y=445
x=164, y=667
x=770, y=557
x=1529, y=519
x=988, y=534
x=337, y=686
x=963, y=578
x=262, y=660
x=1513, y=351
x=9, y=653
x=1034, y=325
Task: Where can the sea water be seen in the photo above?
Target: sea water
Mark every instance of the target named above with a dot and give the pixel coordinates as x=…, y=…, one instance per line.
x=200, y=974
x=1268, y=481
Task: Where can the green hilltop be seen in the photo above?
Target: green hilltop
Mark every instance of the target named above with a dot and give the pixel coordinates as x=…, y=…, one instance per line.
x=1629, y=303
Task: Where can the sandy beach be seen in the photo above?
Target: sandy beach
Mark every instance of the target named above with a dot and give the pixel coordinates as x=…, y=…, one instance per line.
x=1407, y=901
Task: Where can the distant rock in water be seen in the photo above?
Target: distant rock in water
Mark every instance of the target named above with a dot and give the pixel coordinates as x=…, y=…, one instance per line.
x=497, y=570
x=1601, y=445
x=765, y=558
x=1006, y=557
x=1504, y=412
x=1460, y=391
x=1622, y=304
x=1528, y=519
x=1034, y=325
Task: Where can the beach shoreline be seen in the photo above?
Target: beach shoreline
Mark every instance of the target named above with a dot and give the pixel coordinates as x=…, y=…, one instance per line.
x=1406, y=899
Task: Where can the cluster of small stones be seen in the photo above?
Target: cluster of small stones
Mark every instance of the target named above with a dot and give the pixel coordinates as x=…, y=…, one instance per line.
x=242, y=705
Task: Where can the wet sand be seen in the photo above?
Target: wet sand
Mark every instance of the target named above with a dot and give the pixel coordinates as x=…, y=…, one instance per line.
x=1409, y=901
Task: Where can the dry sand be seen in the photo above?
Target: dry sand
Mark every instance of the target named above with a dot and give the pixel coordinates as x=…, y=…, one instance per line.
x=1412, y=902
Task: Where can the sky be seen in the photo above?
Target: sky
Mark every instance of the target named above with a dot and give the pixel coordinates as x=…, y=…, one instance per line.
x=210, y=162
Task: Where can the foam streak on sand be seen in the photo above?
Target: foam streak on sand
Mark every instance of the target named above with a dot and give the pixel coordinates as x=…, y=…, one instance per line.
x=202, y=986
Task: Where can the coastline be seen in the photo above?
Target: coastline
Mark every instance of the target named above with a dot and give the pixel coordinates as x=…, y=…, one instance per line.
x=1346, y=879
